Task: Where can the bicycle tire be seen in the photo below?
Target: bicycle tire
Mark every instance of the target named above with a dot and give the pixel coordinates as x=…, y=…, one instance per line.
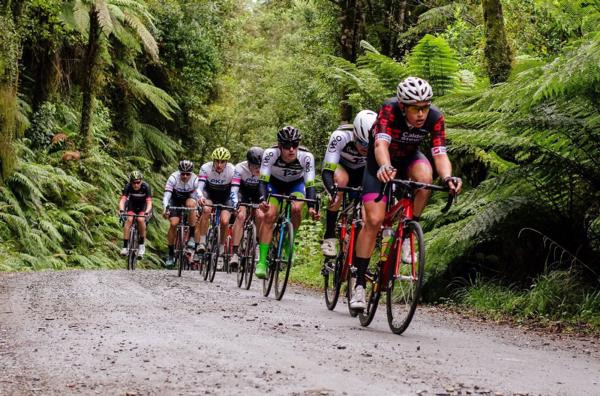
x=332, y=282
x=133, y=248
x=350, y=283
x=241, y=260
x=404, y=290
x=214, y=252
x=179, y=250
x=283, y=265
x=268, y=282
x=205, y=259
x=250, y=256
x=373, y=295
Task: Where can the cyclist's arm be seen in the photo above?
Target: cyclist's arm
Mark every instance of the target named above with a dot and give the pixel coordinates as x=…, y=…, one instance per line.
x=202, y=178
x=331, y=160
x=383, y=135
x=235, y=187
x=168, y=191
x=309, y=178
x=438, y=149
x=149, y=200
x=269, y=158
x=122, y=202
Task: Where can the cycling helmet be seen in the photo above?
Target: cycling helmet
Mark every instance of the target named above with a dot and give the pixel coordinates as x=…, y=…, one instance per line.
x=363, y=122
x=254, y=155
x=288, y=134
x=135, y=175
x=186, y=166
x=220, y=154
x=413, y=90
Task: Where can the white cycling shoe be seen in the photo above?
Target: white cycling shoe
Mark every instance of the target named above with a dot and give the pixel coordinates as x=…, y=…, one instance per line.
x=329, y=247
x=358, y=298
x=124, y=251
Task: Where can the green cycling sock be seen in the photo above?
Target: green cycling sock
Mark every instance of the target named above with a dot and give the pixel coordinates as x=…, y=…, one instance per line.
x=263, y=252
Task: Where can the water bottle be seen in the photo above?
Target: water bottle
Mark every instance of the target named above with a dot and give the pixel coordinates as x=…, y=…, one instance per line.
x=386, y=242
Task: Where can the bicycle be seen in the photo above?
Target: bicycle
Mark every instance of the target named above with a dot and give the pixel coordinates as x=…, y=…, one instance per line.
x=247, y=248
x=182, y=235
x=338, y=269
x=208, y=266
x=133, y=240
x=280, y=256
x=402, y=282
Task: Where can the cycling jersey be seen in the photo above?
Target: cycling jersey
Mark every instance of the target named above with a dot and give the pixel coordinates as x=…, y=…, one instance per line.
x=404, y=140
x=177, y=190
x=247, y=181
x=342, y=150
x=274, y=170
x=137, y=200
x=219, y=187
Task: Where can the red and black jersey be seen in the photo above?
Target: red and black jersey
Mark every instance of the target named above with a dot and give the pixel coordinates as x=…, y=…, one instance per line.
x=404, y=140
x=139, y=197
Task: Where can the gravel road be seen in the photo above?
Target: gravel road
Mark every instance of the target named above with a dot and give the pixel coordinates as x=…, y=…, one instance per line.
x=150, y=332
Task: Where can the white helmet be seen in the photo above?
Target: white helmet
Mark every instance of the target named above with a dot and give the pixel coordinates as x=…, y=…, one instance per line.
x=363, y=122
x=413, y=90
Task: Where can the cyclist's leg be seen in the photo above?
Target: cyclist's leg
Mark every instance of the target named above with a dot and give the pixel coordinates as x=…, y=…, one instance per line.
x=299, y=191
x=238, y=226
x=202, y=228
x=225, y=216
x=340, y=177
x=419, y=169
x=127, y=227
x=266, y=234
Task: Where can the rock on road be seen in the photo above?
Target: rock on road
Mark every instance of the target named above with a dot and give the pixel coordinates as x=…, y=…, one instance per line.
x=150, y=332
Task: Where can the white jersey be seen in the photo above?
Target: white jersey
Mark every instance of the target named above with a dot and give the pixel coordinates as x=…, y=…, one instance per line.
x=212, y=180
x=178, y=189
x=302, y=167
x=342, y=149
x=244, y=177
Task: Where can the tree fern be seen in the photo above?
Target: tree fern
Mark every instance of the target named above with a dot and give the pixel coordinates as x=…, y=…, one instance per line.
x=434, y=60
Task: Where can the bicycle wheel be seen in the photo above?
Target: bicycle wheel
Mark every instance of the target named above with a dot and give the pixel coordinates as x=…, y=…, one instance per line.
x=250, y=255
x=372, y=295
x=268, y=283
x=404, y=288
x=350, y=283
x=214, y=252
x=180, y=249
x=283, y=262
x=241, y=260
x=133, y=248
x=332, y=278
x=205, y=258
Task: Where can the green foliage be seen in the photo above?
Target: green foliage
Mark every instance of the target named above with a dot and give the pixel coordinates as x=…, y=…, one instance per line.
x=308, y=259
x=434, y=60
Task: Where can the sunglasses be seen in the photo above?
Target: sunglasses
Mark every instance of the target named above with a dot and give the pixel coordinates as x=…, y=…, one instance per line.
x=416, y=109
x=290, y=145
x=136, y=182
x=186, y=173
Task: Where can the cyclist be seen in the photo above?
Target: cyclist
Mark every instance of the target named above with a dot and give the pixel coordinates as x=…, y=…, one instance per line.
x=216, y=187
x=181, y=190
x=135, y=199
x=403, y=122
x=246, y=176
x=345, y=161
x=285, y=169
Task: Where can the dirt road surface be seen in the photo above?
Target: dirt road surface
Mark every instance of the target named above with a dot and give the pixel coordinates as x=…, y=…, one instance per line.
x=150, y=332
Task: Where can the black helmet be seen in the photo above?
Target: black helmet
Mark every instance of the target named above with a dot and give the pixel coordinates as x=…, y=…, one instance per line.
x=186, y=166
x=288, y=134
x=254, y=155
x=136, y=175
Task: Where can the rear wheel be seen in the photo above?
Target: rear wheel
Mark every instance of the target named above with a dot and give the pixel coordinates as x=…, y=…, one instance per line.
x=404, y=287
x=284, y=259
x=350, y=283
x=332, y=279
x=372, y=294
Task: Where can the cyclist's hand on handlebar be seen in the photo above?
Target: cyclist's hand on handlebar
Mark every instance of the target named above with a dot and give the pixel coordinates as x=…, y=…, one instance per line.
x=264, y=206
x=454, y=184
x=314, y=214
x=166, y=213
x=386, y=173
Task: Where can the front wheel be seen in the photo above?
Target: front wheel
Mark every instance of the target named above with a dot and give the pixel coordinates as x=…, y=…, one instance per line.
x=133, y=248
x=283, y=262
x=404, y=287
x=372, y=294
x=180, y=249
x=213, y=254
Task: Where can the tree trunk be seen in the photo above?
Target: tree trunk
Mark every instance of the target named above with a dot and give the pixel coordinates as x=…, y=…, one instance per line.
x=497, y=51
x=9, y=77
x=352, y=31
x=90, y=66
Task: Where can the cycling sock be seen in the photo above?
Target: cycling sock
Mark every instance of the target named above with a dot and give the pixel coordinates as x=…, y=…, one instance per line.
x=263, y=252
x=361, y=265
x=235, y=249
x=192, y=230
x=171, y=250
x=330, y=227
x=125, y=243
x=141, y=240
